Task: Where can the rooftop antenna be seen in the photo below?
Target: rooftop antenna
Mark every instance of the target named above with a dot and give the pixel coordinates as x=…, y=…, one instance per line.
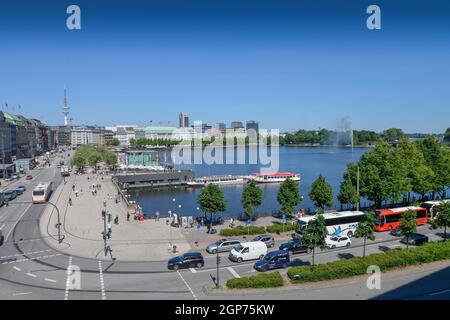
x=20, y=109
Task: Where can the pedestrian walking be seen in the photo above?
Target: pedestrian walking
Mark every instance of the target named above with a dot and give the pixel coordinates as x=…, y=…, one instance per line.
x=128, y=215
x=76, y=193
x=157, y=215
x=109, y=227
x=104, y=203
x=73, y=187
x=70, y=201
x=116, y=220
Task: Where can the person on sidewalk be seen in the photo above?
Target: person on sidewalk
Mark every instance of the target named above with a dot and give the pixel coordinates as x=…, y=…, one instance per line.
x=116, y=220
x=70, y=201
x=104, y=203
x=128, y=215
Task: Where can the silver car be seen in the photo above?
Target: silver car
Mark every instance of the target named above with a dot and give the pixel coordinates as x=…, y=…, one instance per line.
x=223, y=245
x=268, y=240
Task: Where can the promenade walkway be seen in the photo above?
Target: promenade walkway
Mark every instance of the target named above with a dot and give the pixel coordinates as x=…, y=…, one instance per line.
x=82, y=225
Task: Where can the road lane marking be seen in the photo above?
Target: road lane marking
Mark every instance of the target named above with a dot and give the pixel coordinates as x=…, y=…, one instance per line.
x=50, y=280
x=68, y=273
x=233, y=272
x=31, y=275
x=187, y=285
x=31, y=259
x=102, y=282
x=21, y=294
x=439, y=292
x=17, y=269
x=15, y=224
x=193, y=270
x=24, y=254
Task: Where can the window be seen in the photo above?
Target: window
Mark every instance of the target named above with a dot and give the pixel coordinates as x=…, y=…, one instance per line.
x=390, y=218
x=421, y=214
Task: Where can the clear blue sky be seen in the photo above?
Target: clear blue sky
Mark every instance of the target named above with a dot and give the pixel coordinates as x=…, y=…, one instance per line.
x=288, y=64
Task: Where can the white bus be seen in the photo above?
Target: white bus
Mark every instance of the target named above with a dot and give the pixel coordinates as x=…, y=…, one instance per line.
x=338, y=223
x=429, y=205
x=42, y=192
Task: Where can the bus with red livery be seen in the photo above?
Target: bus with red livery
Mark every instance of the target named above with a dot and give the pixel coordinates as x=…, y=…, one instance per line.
x=388, y=219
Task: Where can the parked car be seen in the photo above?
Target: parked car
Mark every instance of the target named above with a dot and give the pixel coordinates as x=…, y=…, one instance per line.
x=29, y=177
x=397, y=232
x=8, y=178
x=23, y=188
x=15, y=176
x=10, y=195
x=416, y=239
x=295, y=246
x=334, y=242
x=268, y=240
x=273, y=260
x=248, y=251
x=222, y=245
x=187, y=260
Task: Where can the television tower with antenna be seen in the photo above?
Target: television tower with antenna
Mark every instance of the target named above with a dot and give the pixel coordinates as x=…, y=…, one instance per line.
x=65, y=109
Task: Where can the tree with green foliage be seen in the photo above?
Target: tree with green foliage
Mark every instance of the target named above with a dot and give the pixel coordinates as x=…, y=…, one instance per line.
x=437, y=157
x=314, y=235
x=114, y=142
x=447, y=136
x=321, y=193
x=418, y=173
x=348, y=195
x=442, y=217
x=383, y=175
x=289, y=197
x=408, y=225
x=211, y=200
x=365, y=229
x=393, y=135
x=252, y=197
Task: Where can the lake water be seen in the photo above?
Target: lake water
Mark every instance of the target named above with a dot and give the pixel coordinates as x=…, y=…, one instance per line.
x=331, y=162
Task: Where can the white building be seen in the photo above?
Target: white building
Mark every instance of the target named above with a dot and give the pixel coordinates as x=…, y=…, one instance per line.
x=85, y=135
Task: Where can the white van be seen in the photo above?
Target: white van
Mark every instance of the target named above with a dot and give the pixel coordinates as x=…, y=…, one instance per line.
x=248, y=251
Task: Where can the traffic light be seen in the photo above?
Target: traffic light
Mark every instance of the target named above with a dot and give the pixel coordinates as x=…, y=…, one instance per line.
x=218, y=259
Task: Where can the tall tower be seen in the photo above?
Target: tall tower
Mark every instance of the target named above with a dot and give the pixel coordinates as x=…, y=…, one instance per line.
x=65, y=109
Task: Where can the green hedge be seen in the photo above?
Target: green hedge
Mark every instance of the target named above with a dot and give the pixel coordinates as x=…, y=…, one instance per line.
x=263, y=280
x=277, y=228
x=253, y=230
x=242, y=231
x=391, y=259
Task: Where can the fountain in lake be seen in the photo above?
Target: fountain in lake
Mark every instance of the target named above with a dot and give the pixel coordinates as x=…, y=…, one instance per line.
x=344, y=132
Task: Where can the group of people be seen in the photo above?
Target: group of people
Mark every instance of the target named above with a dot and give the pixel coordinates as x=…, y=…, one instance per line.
x=94, y=187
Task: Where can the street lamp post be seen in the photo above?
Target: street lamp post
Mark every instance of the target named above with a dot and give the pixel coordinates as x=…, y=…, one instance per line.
x=179, y=207
x=58, y=225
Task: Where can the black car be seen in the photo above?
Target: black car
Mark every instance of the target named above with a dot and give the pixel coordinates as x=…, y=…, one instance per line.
x=416, y=239
x=295, y=246
x=187, y=260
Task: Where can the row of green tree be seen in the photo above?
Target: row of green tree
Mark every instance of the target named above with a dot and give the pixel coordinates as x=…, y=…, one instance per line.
x=93, y=155
x=315, y=234
x=392, y=174
x=360, y=137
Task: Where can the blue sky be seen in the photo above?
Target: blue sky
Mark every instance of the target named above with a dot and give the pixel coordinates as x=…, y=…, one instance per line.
x=288, y=64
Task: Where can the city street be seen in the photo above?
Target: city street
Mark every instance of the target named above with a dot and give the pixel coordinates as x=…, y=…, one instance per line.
x=30, y=269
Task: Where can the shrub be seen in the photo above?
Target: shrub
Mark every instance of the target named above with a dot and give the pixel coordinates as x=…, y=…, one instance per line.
x=358, y=266
x=277, y=228
x=263, y=280
x=242, y=231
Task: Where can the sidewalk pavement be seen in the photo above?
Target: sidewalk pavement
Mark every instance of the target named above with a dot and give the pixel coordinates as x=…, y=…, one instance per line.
x=149, y=240
x=82, y=225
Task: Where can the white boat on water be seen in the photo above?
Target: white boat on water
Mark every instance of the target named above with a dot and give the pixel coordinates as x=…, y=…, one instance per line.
x=220, y=180
x=274, y=177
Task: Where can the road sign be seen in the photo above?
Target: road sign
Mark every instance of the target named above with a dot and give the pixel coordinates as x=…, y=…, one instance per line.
x=284, y=218
x=249, y=222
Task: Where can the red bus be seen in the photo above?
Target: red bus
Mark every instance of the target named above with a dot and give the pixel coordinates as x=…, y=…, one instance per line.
x=388, y=219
